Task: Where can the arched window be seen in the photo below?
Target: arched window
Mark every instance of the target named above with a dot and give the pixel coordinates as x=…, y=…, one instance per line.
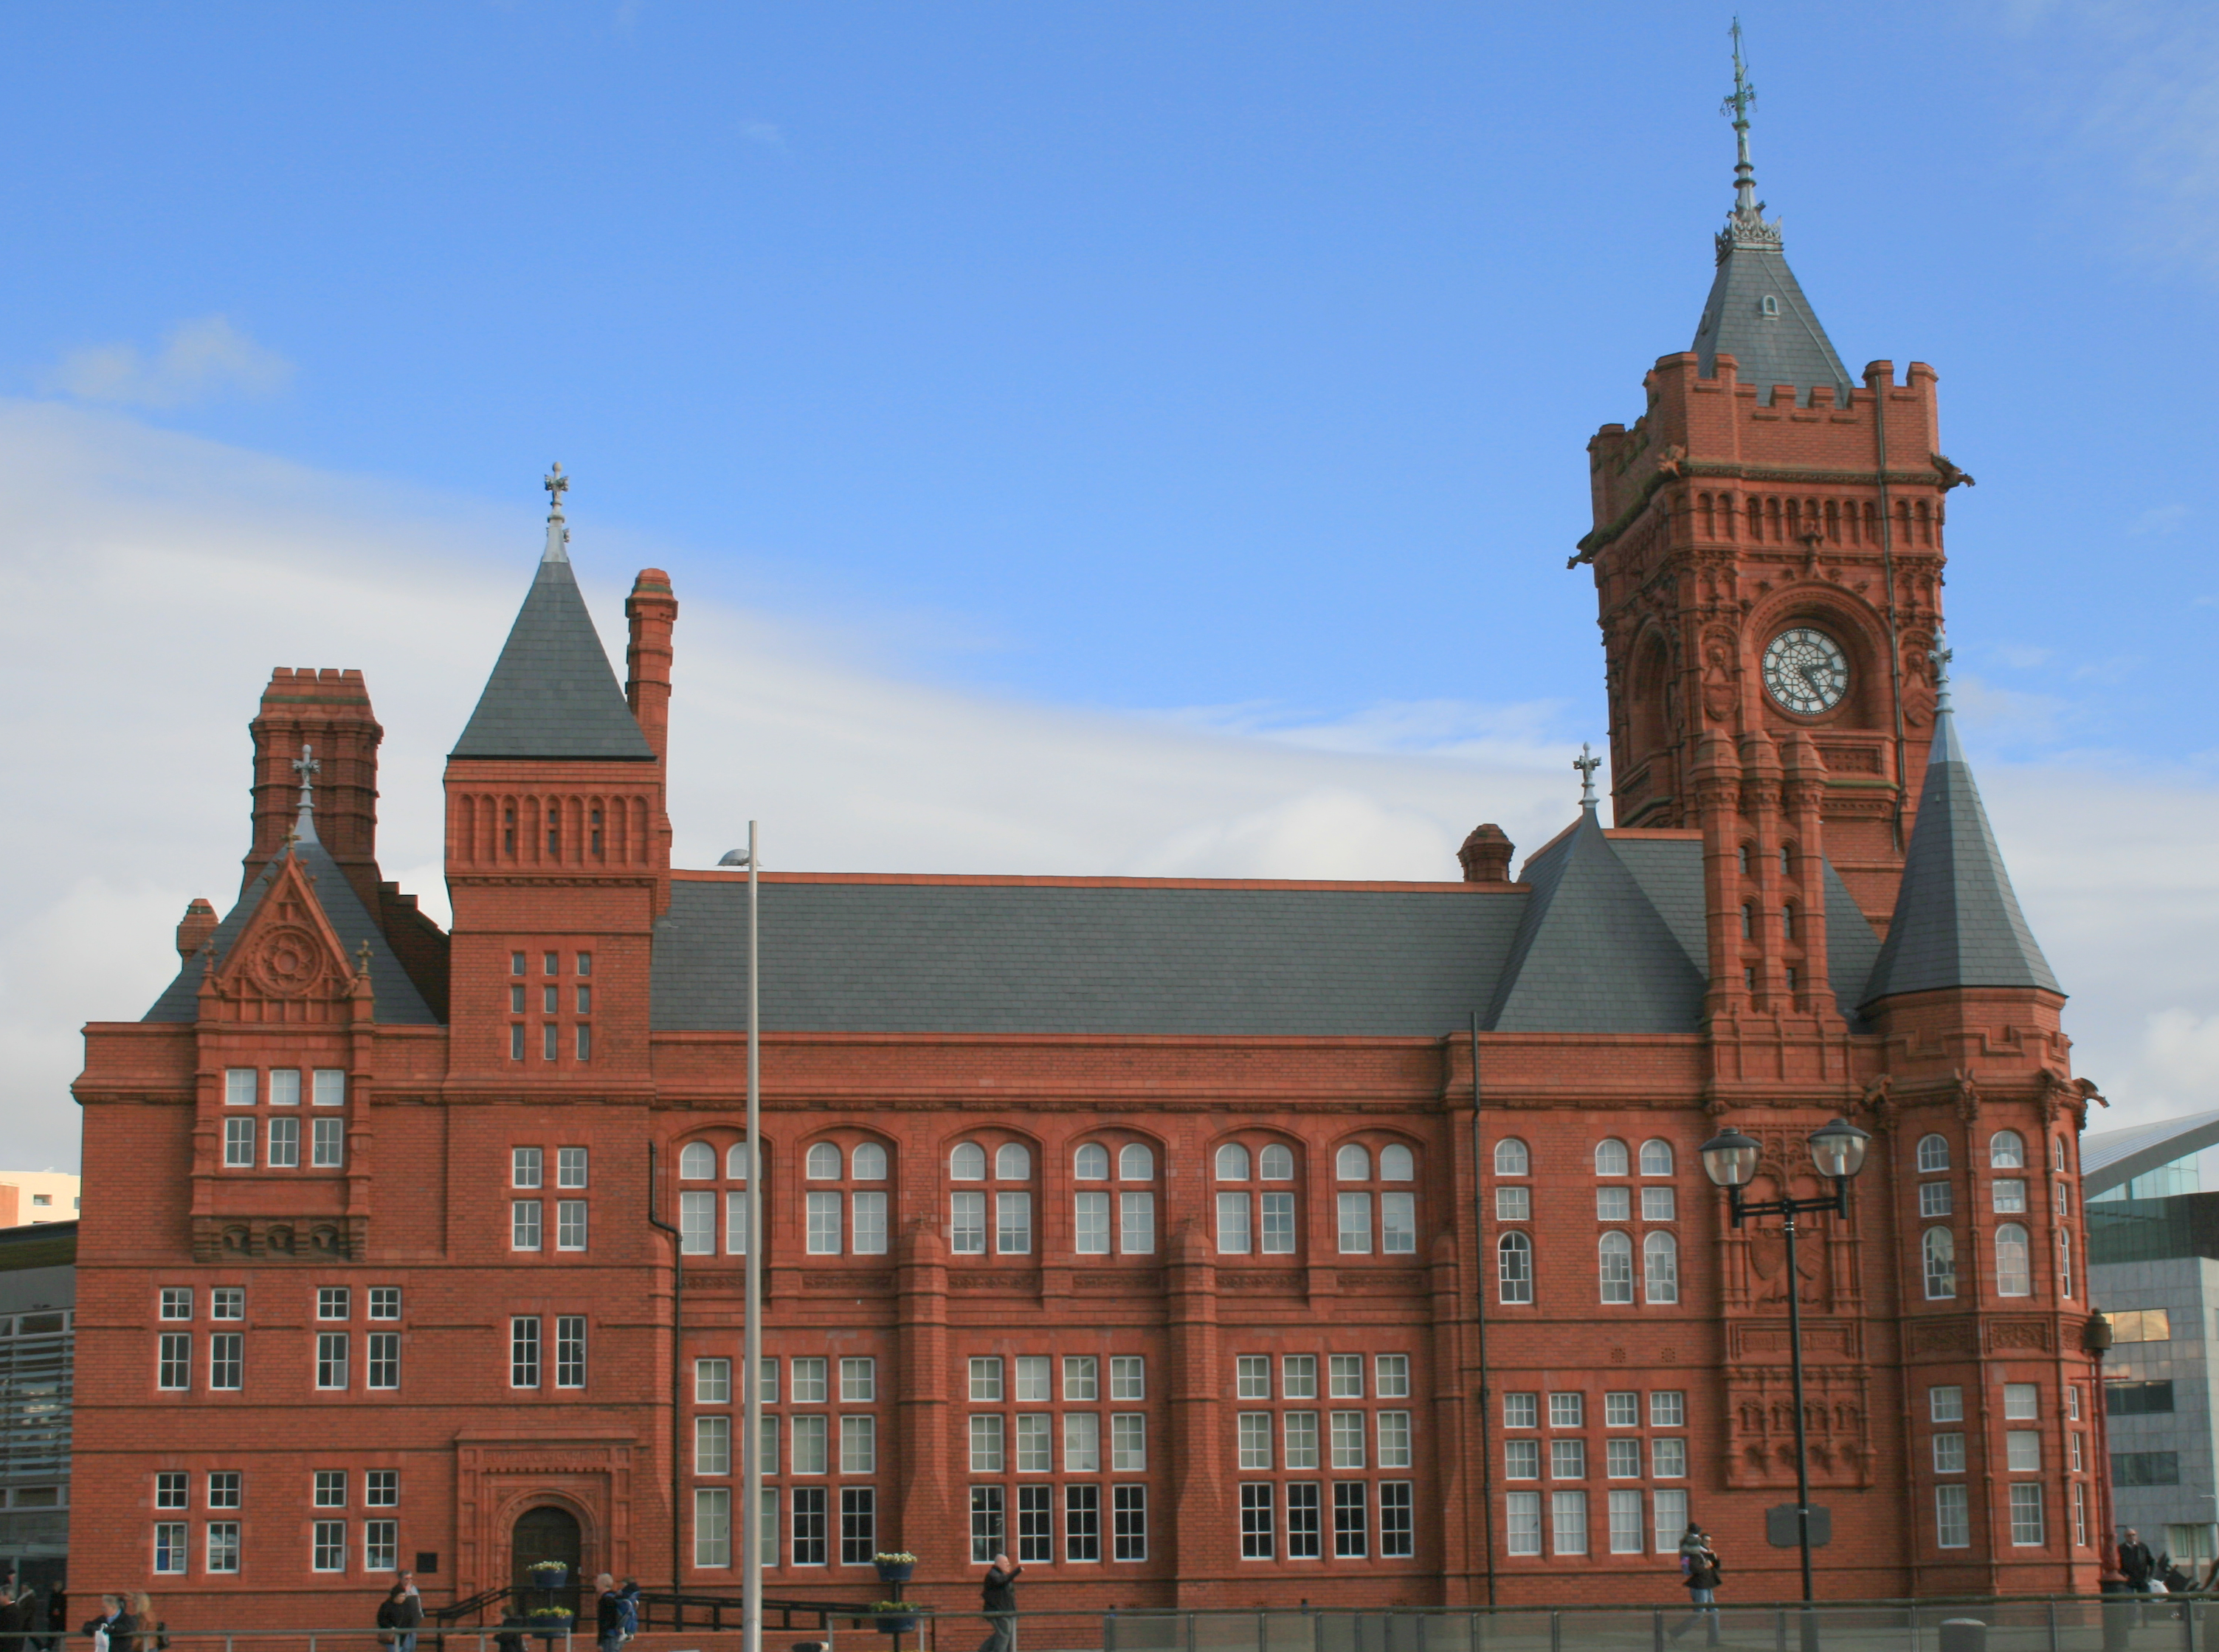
x=1231, y=1163
x=735, y=1162
x=1134, y=1210
x=2014, y=1262
x=2064, y=1265
x=1933, y=1154
x=1397, y=1163
x=870, y=1162
x=823, y=1163
x=1940, y=1250
x=967, y=1163
x=1610, y=1157
x=1276, y=1163
x=1660, y=1267
x=1742, y=853
x=1788, y=923
x=2057, y=1153
x=1511, y=1158
x=852, y=1218
x=1013, y=1162
x=1748, y=919
x=697, y=1162
x=1514, y=1258
x=1011, y=1226
x=2007, y=1151
x=697, y=1210
x=1656, y=1157
x=1352, y=1164
x=1614, y=1256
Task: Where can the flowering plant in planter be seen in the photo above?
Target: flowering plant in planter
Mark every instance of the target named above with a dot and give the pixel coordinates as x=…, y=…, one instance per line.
x=549, y=1566
x=898, y=1607
x=896, y=1557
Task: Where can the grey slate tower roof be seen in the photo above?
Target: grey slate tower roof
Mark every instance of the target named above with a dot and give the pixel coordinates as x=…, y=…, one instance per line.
x=1956, y=922
x=1593, y=953
x=552, y=694
x=397, y=1000
x=1757, y=312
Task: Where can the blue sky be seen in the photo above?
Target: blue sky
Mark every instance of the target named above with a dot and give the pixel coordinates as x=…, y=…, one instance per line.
x=1164, y=355
x=1086, y=438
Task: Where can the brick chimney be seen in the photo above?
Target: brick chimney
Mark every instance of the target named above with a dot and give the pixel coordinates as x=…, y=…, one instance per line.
x=330, y=710
x=1486, y=854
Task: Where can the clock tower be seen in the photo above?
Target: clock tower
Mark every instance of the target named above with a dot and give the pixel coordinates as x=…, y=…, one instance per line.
x=1768, y=555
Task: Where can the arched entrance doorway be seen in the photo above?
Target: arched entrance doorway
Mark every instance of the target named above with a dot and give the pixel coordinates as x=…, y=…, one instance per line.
x=544, y=1534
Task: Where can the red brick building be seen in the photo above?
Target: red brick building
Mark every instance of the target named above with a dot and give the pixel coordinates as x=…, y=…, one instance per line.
x=1146, y=1228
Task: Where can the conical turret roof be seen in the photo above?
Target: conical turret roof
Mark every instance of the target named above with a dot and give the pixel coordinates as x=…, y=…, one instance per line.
x=1957, y=923
x=553, y=693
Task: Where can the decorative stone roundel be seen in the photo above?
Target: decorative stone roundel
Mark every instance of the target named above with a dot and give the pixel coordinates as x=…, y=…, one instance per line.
x=287, y=962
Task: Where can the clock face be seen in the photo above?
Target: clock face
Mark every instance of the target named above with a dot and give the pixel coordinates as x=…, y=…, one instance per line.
x=1805, y=670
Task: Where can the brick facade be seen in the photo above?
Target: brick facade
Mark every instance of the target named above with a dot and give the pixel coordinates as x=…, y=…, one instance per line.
x=1718, y=521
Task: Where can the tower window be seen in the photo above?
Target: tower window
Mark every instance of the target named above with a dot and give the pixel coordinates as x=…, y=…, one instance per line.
x=1788, y=922
x=508, y=831
x=1768, y=305
x=1786, y=862
x=1748, y=980
x=553, y=830
x=1748, y=921
x=1742, y=853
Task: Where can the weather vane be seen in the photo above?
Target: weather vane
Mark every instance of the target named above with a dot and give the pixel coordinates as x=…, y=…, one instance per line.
x=557, y=485
x=1744, y=94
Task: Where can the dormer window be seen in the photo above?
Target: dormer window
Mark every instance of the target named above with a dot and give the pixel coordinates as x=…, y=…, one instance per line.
x=1768, y=305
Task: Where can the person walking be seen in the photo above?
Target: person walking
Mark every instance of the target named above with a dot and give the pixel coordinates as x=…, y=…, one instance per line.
x=57, y=1614
x=389, y=1615
x=408, y=1617
x=15, y=1615
x=112, y=1630
x=999, y=1595
x=1700, y=1562
x=608, y=1614
x=153, y=1634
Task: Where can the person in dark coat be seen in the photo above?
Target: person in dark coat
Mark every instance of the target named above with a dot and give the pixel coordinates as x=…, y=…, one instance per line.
x=999, y=1595
x=1702, y=1581
x=2137, y=1563
x=14, y=1614
x=57, y=1614
x=608, y=1614
x=115, y=1624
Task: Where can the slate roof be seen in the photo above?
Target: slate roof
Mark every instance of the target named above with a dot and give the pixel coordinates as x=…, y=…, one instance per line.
x=1956, y=922
x=398, y=1001
x=1592, y=954
x=1788, y=347
x=1607, y=939
x=1852, y=948
x=887, y=956
x=552, y=694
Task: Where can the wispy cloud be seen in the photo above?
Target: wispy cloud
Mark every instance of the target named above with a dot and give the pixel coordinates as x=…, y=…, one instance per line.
x=187, y=569
x=198, y=361
x=763, y=133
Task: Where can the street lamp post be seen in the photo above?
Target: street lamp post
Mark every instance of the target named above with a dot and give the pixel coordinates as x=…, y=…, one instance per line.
x=1729, y=1160
x=751, y=1326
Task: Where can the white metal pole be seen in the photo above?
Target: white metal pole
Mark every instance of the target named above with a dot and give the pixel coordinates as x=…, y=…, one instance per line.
x=751, y=1335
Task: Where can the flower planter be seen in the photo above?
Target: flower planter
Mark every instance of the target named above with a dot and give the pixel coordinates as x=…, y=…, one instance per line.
x=895, y=1572
x=557, y=1622
x=896, y=1624
x=551, y=1577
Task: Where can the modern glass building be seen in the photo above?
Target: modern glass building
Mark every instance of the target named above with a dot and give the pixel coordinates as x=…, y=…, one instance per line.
x=38, y=1297
x=2153, y=1267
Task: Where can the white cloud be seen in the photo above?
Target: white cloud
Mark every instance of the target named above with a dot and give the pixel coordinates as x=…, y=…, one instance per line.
x=199, y=361
x=149, y=580
x=765, y=134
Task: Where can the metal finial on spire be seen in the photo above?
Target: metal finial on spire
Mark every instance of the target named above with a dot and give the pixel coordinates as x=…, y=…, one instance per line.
x=1587, y=762
x=558, y=535
x=308, y=766
x=1745, y=225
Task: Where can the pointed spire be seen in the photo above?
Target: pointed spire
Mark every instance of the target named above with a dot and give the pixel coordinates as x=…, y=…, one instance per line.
x=552, y=694
x=1957, y=922
x=1757, y=312
x=1745, y=225
x=307, y=767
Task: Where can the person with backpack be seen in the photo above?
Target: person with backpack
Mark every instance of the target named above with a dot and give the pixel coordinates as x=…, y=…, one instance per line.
x=1700, y=1564
x=628, y=1608
x=609, y=1610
